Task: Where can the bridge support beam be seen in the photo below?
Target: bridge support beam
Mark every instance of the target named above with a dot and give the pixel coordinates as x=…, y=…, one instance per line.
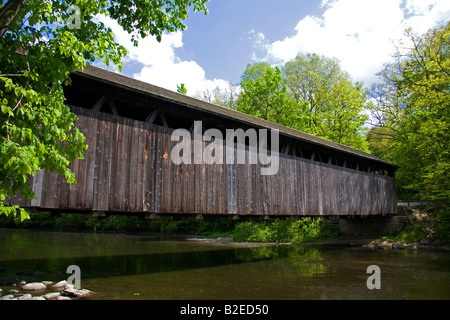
x=151, y=216
x=98, y=214
x=377, y=226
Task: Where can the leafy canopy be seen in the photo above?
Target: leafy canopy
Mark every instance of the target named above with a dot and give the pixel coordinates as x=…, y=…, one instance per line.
x=413, y=112
x=310, y=93
x=41, y=43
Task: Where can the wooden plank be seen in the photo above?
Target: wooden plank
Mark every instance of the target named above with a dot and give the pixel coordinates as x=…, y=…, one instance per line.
x=147, y=169
x=255, y=187
x=75, y=187
x=159, y=151
x=91, y=161
x=292, y=197
x=104, y=168
x=231, y=182
x=114, y=177
x=266, y=194
x=140, y=168
x=282, y=179
x=247, y=184
x=121, y=157
x=305, y=207
x=240, y=184
x=204, y=185
x=83, y=125
x=209, y=196
x=134, y=155
x=223, y=184
x=127, y=164
x=259, y=190
x=38, y=180
x=99, y=165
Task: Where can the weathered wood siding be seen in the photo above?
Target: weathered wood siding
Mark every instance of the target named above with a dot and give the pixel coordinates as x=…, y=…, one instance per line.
x=127, y=168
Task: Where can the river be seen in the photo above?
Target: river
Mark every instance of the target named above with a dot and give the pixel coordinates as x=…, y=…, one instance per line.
x=131, y=267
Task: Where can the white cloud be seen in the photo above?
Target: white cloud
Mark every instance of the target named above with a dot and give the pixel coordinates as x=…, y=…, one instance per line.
x=159, y=63
x=360, y=34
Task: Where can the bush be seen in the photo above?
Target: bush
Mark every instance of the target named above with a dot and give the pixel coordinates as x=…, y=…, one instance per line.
x=252, y=232
x=306, y=229
x=410, y=234
x=71, y=221
x=281, y=230
x=442, y=226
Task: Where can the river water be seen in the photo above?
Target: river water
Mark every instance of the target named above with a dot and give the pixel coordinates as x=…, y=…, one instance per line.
x=131, y=267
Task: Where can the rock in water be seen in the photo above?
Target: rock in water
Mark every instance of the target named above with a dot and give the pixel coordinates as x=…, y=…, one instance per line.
x=34, y=286
x=52, y=295
x=72, y=292
x=60, y=285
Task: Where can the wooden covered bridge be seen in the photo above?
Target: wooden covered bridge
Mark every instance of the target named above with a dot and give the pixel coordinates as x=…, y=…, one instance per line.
x=127, y=168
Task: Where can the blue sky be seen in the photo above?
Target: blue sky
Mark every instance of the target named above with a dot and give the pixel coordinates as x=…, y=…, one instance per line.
x=226, y=32
x=215, y=48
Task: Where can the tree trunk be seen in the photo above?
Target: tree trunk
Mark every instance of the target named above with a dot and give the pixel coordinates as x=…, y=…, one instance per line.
x=8, y=13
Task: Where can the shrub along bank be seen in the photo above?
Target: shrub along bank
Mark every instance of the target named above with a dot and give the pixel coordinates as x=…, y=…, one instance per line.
x=245, y=230
x=429, y=224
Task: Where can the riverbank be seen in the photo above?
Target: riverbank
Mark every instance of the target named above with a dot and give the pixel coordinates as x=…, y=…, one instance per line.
x=44, y=290
x=244, y=230
x=344, y=241
x=425, y=228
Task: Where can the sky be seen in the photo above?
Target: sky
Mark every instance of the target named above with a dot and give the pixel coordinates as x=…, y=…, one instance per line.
x=215, y=48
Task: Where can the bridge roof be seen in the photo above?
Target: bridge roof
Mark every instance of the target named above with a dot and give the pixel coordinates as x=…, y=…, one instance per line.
x=117, y=80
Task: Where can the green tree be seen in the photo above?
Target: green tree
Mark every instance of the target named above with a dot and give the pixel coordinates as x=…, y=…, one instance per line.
x=379, y=140
x=332, y=106
x=41, y=43
x=264, y=95
x=418, y=83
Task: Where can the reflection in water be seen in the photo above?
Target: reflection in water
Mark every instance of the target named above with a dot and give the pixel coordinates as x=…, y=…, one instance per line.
x=119, y=266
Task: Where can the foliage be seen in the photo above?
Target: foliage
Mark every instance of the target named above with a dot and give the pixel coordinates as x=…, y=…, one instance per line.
x=181, y=88
x=410, y=234
x=311, y=94
x=264, y=95
x=215, y=227
x=332, y=106
x=281, y=230
x=413, y=110
x=379, y=141
x=275, y=230
x=41, y=43
x=252, y=232
x=442, y=225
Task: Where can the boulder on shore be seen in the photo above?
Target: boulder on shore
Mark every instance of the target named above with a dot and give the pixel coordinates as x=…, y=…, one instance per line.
x=34, y=286
x=78, y=293
x=60, y=285
x=52, y=295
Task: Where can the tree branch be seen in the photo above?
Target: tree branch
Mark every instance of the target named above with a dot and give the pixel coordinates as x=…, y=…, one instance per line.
x=8, y=13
